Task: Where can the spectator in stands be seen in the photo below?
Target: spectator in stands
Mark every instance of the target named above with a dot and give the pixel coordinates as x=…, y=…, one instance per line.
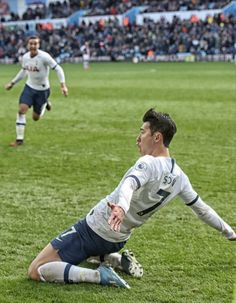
x=211, y=36
x=64, y=9
x=4, y=8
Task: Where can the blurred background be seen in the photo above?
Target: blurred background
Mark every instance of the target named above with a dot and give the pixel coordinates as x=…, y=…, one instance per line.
x=132, y=30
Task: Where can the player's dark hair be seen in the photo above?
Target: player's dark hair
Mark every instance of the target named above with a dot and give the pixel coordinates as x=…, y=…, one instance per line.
x=33, y=37
x=162, y=123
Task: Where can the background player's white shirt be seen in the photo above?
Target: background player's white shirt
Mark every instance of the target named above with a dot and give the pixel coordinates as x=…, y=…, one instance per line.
x=37, y=69
x=85, y=52
x=152, y=183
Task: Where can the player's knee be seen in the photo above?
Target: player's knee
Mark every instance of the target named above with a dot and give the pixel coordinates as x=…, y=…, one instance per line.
x=23, y=109
x=33, y=272
x=36, y=118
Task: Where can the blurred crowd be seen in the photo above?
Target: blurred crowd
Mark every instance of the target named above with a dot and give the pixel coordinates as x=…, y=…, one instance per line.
x=162, y=6
x=215, y=35
x=64, y=9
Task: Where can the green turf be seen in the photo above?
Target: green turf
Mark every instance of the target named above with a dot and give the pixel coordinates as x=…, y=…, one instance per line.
x=77, y=154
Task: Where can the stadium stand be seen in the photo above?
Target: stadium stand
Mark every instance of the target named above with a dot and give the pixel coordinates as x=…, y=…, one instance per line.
x=64, y=9
x=114, y=39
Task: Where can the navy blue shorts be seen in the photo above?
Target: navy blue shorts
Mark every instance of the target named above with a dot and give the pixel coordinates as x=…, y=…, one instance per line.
x=35, y=98
x=80, y=242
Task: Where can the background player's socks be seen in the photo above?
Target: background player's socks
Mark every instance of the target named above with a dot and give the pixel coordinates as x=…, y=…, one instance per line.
x=20, y=127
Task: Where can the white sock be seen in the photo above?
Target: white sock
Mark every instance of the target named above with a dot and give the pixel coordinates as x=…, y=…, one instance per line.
x=113, y=259
x=86, y=65
x=20, y=126
x=62, y=272
x=43, y=109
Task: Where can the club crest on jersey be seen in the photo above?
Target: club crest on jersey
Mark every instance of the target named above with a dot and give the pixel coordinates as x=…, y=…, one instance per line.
x=141, y=166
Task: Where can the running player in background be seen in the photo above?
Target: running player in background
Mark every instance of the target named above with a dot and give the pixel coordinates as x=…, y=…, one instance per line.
x=153, y=181
x=85, y=55
x=35, y=64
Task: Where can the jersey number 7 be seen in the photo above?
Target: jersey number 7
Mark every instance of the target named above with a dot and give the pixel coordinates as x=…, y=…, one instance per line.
x=161, y=192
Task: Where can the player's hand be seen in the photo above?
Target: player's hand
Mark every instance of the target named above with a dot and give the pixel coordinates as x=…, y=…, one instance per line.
x=64, y=89
x=232, y=237
x=9, y=86
x=116, y=217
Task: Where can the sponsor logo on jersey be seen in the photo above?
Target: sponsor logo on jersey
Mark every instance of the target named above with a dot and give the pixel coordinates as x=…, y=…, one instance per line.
x=31, y=68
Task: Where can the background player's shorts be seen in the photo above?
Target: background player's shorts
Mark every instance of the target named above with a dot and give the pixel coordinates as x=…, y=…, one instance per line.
x=85, y=57
x=80, y=242
x=34, y=97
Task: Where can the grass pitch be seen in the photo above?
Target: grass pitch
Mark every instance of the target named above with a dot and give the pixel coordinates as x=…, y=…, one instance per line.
x=79, y=151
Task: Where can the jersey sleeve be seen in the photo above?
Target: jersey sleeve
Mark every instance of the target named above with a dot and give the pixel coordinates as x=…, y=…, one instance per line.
x=210, y=217
x=141, y=172
x=204, y=211
x=60, y=74
x=134, y=179
x=125, y=194
x=55, y=66
x=21, y=74
x=187, y=193
x=50, y=61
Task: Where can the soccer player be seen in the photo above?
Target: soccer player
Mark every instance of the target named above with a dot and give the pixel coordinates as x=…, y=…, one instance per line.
x=153, y=181
x=85, y=55
x=35, y=64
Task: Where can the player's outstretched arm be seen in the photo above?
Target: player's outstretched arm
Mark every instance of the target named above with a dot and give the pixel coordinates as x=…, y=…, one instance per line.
x=64, y=89
x=61, y=76
x=210, y=217
x=21, y=74
x=9, y=85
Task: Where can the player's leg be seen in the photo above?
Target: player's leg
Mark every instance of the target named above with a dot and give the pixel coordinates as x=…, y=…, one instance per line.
x=49, y=105
x=35, y=116
x=46, y=106
x=25, y=102
x=47, y=255
x=56, y=262
x=41, y=104
x=21, y=122
x=49, y=267
x=126, y=262
x=130, y=265
x=86, y=64
x=20, y=125
x=86, y=61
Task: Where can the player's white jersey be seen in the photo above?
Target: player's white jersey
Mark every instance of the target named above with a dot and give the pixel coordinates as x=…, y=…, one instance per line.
x=146, y=187
x=85, y=52
x=37, y=69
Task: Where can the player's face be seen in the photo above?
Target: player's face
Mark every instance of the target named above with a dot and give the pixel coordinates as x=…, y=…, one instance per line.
x=145, y=140
x=33, y=46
